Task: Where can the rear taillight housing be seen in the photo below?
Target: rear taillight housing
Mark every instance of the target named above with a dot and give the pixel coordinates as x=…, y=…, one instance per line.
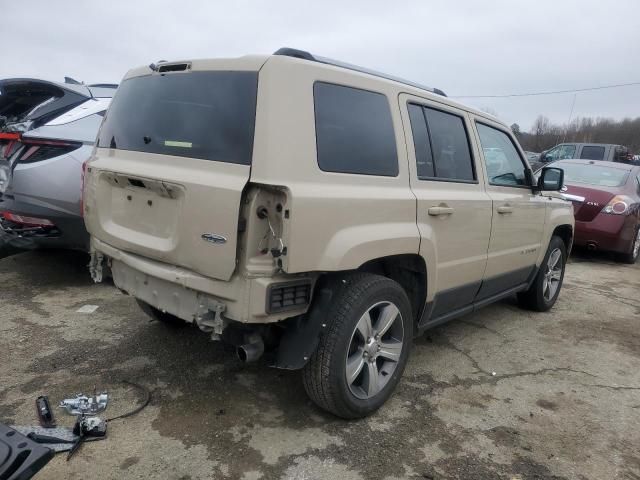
x=25, y=221
x=8, y=144
x=9, y=136
x=619, y=205
x=37, y=149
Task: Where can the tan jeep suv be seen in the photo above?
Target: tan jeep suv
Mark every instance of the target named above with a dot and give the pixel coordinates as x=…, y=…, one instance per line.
x=316, y=212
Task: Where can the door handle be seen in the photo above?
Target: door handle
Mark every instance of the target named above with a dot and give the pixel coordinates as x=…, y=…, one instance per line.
x=505, y=209
x=436, y=211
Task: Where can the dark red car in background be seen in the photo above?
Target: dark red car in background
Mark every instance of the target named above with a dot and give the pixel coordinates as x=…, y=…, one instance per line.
x=606, y=203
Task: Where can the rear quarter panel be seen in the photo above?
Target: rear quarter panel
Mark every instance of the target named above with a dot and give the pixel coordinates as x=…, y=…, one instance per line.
x=54, y=184
x=337, y=221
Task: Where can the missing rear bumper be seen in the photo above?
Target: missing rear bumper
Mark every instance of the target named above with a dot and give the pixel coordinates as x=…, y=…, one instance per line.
x=184, y=303
x=181, y=292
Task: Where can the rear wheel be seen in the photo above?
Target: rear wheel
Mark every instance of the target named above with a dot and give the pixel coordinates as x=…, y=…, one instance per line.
x=161, y=316
x=544, y=291
x=632, y=256
x=364, y=348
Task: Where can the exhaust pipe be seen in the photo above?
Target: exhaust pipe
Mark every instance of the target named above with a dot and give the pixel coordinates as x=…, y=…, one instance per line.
x=251, y=351
x=592, y=246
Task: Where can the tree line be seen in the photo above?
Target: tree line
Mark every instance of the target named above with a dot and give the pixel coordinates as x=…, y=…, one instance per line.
x=544, y=134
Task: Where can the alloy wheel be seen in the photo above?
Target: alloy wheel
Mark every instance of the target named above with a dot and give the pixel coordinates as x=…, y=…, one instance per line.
x=553, y=275
x=374, y=350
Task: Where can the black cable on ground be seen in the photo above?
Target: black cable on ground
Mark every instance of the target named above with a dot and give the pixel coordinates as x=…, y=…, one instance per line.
x=147, y=399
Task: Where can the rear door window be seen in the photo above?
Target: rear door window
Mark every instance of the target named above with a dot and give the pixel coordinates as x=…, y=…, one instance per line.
x=354, y=131
x=504, y=164
x=590, y=152
x=206, y=115
x=442, y=145
x=421, y=142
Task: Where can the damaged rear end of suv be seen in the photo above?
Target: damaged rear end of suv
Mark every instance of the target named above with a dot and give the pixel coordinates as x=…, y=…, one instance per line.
x=173, y=214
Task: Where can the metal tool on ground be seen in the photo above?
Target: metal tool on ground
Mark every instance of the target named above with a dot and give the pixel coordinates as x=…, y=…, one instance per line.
x=84, y=428
x=88, y=424
x=83, y=405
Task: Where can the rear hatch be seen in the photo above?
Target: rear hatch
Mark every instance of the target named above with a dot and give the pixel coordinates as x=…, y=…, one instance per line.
x=173, y=158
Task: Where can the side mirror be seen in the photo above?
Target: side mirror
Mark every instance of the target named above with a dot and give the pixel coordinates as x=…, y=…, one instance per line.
x=551, y=179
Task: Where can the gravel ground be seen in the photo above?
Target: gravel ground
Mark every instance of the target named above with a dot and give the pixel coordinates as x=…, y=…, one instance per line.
x=501, y=393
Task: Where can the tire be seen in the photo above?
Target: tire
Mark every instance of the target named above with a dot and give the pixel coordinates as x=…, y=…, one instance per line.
x=541, y=296
x=632, y=256
x=161, y=316
x=381, y=361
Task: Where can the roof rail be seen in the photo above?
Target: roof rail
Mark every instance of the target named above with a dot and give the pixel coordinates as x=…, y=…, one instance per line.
x=103, y=85
x=304, y=55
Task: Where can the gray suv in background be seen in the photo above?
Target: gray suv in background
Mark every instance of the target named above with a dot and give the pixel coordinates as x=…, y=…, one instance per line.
x=586, y=151
x=47, y=131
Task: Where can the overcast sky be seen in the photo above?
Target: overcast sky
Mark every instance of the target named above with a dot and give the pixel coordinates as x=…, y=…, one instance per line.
x=463, y=47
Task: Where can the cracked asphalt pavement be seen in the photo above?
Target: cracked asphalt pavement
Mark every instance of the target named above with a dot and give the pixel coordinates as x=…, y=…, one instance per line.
x=499, y=394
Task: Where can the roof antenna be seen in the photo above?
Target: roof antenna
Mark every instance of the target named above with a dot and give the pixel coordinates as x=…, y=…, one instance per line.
x=72, y=81
x=566, y=130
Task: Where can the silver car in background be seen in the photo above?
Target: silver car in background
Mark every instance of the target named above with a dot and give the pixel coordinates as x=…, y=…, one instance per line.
x=47, y=131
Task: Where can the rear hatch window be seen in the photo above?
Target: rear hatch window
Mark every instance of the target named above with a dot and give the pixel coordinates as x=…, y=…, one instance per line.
x=205, y=115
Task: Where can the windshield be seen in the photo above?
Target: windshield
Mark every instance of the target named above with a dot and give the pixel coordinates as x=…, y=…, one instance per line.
x=593, y=174
x=207, y=115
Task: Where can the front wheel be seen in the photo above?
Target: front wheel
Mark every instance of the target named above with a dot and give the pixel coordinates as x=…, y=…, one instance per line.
x=544, y=291
x=364, y=348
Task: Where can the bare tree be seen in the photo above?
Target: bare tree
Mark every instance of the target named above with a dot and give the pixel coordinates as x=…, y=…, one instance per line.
x=540, y=130
x=544, y=135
